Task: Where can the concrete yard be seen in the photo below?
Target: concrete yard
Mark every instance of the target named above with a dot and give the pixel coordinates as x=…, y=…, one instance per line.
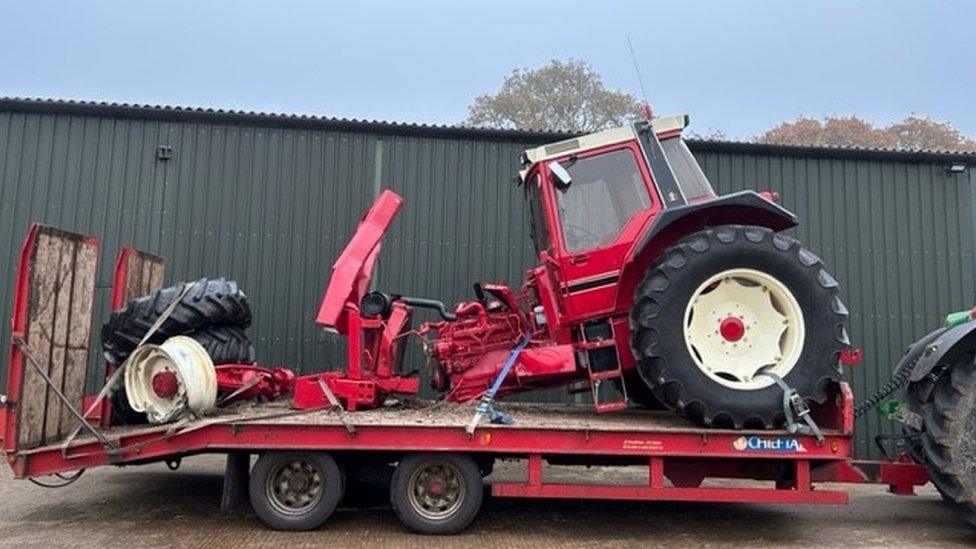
x=150, y=506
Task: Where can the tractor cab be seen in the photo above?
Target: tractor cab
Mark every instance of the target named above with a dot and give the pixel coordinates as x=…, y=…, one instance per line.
x=592, y=197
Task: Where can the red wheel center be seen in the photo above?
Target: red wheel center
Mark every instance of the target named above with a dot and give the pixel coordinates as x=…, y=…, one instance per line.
x=732, y=329
x=435, y=487
x=165, y=384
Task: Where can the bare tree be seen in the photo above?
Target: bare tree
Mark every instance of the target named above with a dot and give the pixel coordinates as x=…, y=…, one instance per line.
x=562, y=95
x=912, y=133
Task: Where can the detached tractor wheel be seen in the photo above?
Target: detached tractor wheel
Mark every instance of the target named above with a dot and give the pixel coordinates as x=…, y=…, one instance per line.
x=224, y=345
x=295, y=490
x=217, y=302
x=724, y=304
x=436, y=493
x=949, y=437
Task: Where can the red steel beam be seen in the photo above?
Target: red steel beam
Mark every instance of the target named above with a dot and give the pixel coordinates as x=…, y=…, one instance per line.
x=156, y=445
x=721, y=495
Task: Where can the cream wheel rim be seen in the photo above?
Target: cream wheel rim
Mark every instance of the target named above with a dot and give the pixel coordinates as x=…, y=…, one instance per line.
x=741, y=321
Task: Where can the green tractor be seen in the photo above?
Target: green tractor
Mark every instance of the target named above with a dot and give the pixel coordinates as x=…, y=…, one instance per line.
x=937, y=412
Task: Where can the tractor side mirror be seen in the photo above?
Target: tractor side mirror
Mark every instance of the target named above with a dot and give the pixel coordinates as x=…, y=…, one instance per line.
x=561, y=178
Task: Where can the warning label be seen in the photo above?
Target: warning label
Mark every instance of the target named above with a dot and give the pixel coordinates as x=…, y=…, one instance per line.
x=643, y=444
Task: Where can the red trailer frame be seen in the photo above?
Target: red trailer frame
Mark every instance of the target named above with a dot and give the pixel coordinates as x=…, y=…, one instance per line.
x=678, y=455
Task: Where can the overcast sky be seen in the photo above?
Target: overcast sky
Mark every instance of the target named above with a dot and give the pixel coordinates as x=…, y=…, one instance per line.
x=739, y=67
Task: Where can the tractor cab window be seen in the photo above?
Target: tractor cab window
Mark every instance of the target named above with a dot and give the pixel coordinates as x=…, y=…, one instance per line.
x=691, y=178
x=537, y=217
x=605, y=193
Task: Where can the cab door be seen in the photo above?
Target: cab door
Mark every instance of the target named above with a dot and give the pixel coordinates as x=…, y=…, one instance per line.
x=595, y=221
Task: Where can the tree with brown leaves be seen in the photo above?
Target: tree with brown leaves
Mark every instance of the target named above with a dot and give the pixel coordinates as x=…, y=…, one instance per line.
x=913, y=133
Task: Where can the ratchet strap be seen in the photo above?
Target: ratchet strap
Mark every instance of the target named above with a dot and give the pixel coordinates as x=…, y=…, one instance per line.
x=795, y=409
x=486, y=405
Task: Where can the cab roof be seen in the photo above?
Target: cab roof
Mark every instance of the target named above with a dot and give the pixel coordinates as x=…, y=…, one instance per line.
x=603, y=138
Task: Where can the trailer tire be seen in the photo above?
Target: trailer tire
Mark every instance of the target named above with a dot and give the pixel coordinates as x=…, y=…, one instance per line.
x=666, y=325
x=949, y=436
x=217, y=302
x=436, y=493
x=295, y=490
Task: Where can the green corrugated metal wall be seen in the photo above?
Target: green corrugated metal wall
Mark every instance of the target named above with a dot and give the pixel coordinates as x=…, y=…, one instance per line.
x=270, y=201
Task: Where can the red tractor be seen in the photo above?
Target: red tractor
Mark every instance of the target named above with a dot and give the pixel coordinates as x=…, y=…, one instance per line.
x=649, y=288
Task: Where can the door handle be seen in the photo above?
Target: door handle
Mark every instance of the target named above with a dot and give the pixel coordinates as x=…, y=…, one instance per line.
x=579, y=259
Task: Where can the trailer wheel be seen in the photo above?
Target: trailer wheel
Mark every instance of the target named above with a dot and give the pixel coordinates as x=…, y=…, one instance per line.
x=295, y=490
x=725, y=303
x=949, y=437
x=436, y=493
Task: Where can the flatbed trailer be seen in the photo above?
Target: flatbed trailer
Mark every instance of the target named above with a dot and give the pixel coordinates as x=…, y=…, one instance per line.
x=52, y=428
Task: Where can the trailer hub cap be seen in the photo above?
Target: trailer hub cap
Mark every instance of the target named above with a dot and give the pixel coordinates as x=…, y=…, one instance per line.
x=741, y=321
x=294, y=487
x=436, y=491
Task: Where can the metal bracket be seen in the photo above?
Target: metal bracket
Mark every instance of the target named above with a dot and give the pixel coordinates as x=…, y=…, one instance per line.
x=908, y=417
x=336, y=405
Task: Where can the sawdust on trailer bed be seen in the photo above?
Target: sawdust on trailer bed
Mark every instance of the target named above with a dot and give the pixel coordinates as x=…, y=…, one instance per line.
x=421, y=413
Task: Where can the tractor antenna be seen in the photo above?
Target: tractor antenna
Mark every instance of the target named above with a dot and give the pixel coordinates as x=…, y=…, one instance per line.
x=640, y=80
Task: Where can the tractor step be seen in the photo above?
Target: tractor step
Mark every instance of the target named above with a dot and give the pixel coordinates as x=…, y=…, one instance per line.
x=611, y=406
x=599, y=355
x=606, y=375
x=598, y=344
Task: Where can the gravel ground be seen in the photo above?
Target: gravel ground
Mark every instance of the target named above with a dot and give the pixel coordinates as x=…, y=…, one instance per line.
x=150, y=506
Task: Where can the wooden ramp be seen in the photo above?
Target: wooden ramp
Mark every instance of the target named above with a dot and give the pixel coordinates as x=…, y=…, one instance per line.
x=53, y=319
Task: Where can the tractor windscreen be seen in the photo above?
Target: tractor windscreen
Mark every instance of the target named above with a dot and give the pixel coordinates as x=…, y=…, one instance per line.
x=691, y=178
x=607, y=191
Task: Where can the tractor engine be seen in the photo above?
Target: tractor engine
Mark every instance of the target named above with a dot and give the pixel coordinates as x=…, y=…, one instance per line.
x=471, y=349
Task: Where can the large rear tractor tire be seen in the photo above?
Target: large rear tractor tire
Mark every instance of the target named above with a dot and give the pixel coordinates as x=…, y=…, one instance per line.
x=949, y=437
x=217, y=302
x=725, y=303
x=640, y=393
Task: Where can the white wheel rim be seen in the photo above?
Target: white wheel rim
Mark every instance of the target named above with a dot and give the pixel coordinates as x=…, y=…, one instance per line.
x=740, y=321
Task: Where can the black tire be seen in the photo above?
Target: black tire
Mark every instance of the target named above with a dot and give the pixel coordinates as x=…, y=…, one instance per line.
x=265, y=485
x=918, y=395
x=122, y=412
x=949, y=437
x=640, y=393
x=225, y=344
x=217, y=302
x=656, y=325
x=466, y=481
